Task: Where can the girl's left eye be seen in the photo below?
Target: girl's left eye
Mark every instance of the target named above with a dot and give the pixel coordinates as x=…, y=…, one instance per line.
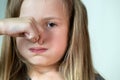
x=51, y=24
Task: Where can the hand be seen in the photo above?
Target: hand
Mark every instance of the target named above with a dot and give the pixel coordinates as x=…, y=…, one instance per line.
x=20, y=27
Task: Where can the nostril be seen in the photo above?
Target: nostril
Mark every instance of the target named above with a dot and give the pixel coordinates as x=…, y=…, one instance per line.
x=41, y=41
x=36, y=39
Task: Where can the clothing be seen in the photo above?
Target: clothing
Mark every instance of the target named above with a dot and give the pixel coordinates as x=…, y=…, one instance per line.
x=99, y=77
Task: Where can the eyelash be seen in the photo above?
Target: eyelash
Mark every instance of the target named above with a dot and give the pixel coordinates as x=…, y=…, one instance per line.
x=51, y=24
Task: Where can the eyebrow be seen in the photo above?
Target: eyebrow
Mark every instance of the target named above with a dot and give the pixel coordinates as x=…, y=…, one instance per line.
x=50, y=18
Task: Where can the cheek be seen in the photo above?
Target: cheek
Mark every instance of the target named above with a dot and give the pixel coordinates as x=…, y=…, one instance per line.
x=57, y=50
x=59, y=41
x=21, y=45
x=19, y=42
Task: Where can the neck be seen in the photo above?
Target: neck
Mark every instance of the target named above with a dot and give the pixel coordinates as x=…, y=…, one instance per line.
x=39, y=72
x=42, y=69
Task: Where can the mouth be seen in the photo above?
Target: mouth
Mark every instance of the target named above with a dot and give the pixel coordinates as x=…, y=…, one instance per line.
x=38, y=50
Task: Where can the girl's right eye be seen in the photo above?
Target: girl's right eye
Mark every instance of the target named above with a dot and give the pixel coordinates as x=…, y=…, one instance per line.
x=51, y=24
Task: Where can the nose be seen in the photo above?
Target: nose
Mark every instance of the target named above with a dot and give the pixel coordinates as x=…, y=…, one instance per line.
x=41, y=40
x=41, y=34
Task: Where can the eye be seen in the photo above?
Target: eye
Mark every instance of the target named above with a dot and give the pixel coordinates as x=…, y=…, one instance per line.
x=51, y=24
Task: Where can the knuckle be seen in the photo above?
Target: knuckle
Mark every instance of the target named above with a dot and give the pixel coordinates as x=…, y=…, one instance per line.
x=30, y=19
x=29, y=24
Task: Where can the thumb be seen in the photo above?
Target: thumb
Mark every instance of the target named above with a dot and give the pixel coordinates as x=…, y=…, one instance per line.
x=32, y=37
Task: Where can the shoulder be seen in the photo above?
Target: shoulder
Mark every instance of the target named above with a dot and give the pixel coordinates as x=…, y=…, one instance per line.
x=99, y=77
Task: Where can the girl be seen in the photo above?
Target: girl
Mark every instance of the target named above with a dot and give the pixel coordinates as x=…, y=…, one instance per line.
x=46, y=40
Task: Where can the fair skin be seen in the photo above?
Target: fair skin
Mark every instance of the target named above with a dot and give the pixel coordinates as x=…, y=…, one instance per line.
x=48, y=19
x=19, y=27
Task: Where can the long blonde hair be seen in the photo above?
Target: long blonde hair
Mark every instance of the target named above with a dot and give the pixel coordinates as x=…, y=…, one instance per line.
x=77, y=62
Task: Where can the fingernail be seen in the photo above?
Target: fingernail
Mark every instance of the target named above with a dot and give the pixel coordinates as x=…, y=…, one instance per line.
x=29, y=36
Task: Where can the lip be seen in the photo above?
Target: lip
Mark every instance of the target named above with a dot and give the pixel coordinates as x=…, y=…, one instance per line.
x=38, y=50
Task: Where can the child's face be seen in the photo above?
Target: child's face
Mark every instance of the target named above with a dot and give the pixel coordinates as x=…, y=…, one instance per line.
x=53, y=38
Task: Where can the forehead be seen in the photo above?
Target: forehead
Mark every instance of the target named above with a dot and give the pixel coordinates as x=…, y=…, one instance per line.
x=43, y=8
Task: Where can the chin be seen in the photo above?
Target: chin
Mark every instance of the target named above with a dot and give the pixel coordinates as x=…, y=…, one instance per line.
x=39, y=62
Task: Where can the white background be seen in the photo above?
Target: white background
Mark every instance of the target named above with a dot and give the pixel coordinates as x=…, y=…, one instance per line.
x=104, y=29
